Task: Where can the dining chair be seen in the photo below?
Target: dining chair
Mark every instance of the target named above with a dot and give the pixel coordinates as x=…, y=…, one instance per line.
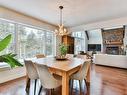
x=40, y=56
x=81, y=74
x=46, y=78
x=31, y=73
x=69, y=56
x=82, y=56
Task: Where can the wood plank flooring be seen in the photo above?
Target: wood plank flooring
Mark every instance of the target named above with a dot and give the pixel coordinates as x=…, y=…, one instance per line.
x=104, y=81
x=17, y=87
x=108, y=81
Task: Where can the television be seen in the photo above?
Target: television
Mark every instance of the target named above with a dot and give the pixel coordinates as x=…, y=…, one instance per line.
x=94, y=47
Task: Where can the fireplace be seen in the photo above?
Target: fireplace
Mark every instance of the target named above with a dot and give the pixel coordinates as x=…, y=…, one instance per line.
x=112, y=50
x=113, y=40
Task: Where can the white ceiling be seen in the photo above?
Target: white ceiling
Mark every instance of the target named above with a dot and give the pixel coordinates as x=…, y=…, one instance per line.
x=75, y=12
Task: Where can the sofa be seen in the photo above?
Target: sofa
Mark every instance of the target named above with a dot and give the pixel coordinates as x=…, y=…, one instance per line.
x=111, y=60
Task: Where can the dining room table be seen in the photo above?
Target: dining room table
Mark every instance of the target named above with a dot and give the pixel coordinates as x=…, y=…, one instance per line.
x=64, y=68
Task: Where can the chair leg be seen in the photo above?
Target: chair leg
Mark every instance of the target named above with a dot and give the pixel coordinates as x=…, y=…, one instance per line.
x=86, y=84
x=40, y=90
x=72, y=86
x=27, y=85
x=80, y=86
x=51, y=91
x=35, y=86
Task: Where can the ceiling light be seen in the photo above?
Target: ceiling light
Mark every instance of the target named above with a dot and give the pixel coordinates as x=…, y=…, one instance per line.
x=61, y=30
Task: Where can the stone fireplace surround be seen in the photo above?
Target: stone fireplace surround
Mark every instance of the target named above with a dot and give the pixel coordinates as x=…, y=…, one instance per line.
x=113, y=40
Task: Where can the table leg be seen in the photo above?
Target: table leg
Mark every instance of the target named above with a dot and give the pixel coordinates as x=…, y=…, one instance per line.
x=65, y=84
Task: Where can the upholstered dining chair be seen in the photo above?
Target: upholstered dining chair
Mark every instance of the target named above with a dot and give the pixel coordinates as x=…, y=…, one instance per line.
x=69, y=56
x=82, y=56
x=81, y=74
x=31, y=73
x=40, y=56
x=46, y=78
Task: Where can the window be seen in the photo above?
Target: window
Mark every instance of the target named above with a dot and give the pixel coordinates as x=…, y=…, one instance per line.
x=34, y=41
x=6, y=29
x=31, y=42
x=79, y=41
x=27, y=41
x=49, y=43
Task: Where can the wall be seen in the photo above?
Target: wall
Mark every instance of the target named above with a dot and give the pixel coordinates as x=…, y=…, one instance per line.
x=9, y=14
x=102, y=24
x=11, y=74
x=58, y=42
x=95, y=37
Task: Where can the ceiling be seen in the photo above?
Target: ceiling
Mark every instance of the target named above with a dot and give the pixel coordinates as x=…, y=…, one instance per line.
x=75, y=12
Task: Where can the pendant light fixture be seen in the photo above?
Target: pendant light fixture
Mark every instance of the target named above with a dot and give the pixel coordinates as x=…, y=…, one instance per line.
x=61, y=30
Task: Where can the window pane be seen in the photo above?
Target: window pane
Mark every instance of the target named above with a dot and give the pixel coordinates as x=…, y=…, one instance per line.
x=31, y=42
x=7, y=28
x=79, y=41
x=49, y=43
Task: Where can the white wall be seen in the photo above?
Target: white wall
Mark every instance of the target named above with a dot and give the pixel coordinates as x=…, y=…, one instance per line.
x=95, y=37
x=102, y=24
x=21, y=18
x=11, y=74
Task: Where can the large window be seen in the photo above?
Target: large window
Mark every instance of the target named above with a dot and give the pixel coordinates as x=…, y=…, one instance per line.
x=49, y=43
x=27, y=41
x=6, y=29
x=79, y=41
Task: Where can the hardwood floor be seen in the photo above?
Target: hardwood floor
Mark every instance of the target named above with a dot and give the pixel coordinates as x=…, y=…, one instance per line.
x=17, y=87
x=104, y=81
x=108, y=81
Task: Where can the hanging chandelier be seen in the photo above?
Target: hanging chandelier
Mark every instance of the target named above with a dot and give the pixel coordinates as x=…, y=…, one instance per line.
x=61, y=30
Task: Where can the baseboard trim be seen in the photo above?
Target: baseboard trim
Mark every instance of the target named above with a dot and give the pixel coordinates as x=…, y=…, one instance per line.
x=10, y=81
x=12, y=74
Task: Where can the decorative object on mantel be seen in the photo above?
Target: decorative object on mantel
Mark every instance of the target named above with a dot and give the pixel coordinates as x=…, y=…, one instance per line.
x=61, y=31
x=8, y=58
x=63, y=51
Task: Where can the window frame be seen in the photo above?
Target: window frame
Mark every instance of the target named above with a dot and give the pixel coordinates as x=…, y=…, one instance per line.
x=16, y=36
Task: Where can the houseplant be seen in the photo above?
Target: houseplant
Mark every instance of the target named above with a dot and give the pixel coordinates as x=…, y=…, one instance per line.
x=63, y=50
x=10, y=57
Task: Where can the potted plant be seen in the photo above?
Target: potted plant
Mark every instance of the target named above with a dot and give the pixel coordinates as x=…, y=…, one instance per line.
x=63, y=50
x=10, y=57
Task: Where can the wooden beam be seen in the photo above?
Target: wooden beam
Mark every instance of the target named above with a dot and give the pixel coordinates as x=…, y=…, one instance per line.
x=86, y=32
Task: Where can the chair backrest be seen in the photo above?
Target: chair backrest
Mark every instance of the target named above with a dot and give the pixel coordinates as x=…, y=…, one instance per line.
x=40, y=56
x=31, y=70
x=69, y=55
x=46, y=78
x=82, y=56
x=83, y=72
